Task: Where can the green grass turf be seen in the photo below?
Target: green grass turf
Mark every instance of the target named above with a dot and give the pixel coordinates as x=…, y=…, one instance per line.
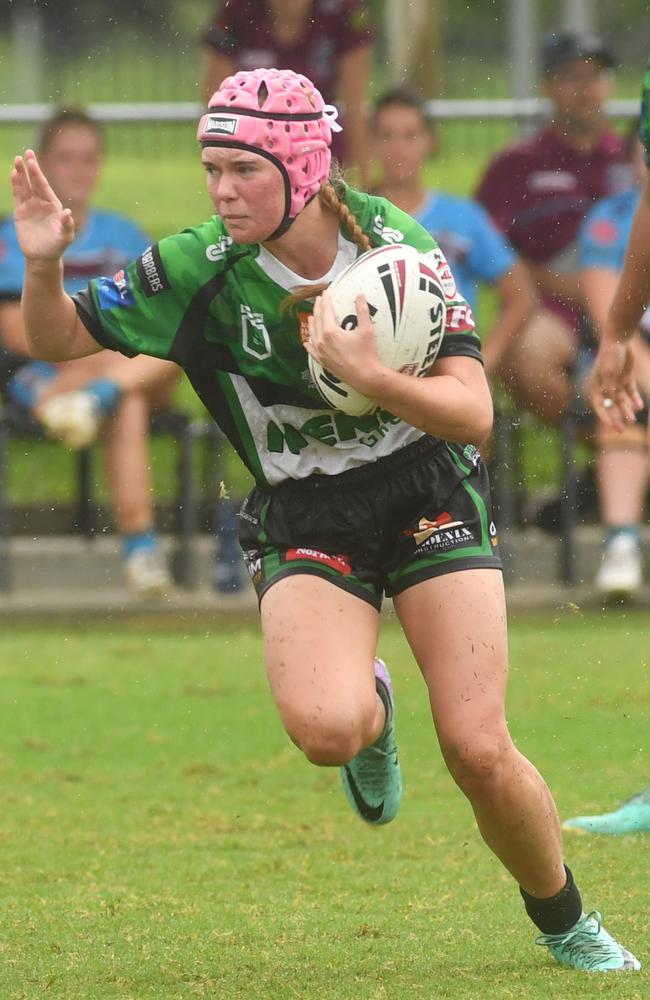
x=161, y=838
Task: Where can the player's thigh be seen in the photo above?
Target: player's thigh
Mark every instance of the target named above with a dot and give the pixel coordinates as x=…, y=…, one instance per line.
x=546, y=344
x=319, y=644
x=456, y=627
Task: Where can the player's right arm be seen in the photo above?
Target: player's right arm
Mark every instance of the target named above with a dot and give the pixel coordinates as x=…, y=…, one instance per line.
x=53, y=329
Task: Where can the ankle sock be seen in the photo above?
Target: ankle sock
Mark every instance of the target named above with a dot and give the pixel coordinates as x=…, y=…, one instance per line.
x=139, y=541
x=558, y=913
x=631, y=530
x=105, y=392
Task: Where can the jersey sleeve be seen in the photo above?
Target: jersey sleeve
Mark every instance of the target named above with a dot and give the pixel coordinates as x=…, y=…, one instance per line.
x=490, y=255
x=356, y=29
x=12, y=264
x=143, y=309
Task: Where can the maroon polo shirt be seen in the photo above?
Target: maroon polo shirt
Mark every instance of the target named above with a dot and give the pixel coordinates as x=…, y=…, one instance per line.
x=243, y=30
x=539, y=190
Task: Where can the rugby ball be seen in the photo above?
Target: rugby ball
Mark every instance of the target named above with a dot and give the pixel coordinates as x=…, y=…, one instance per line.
x=408, y=311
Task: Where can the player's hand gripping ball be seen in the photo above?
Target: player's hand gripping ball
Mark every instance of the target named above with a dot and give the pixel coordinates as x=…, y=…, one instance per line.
x=407, y=308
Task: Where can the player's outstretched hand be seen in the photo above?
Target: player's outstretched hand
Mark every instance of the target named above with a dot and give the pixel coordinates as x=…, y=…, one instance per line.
x=614, y=393
x=43, y=226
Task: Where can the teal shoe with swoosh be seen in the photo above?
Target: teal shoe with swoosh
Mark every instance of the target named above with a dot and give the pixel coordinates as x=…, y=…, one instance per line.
x=373, y=779
x=589, y=947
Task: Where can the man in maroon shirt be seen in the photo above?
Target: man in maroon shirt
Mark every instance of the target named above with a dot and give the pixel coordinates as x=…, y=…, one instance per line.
x=328, y=41
x=538, y=191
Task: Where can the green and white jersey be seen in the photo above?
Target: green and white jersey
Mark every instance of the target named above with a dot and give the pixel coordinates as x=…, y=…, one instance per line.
x=215, y=307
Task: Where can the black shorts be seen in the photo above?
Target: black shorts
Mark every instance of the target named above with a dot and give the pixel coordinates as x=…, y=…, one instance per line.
x=380, y=528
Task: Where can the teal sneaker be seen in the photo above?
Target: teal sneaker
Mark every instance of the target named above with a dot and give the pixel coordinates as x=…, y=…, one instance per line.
x=631, y=817
x=373, y=779
x=589, y=947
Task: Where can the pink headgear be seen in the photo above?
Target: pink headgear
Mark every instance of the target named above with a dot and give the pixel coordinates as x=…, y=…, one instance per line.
x=280, y=115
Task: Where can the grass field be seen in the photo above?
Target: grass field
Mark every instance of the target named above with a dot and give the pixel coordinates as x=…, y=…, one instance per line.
x=162, y=839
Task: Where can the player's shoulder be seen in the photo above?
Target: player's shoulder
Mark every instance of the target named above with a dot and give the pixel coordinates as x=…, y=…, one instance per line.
x=385, y=222
x=190, y=258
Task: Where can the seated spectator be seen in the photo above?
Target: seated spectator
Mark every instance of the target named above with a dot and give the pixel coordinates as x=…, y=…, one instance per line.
x=474, y=247
x=538, y=191
x=106, y=392
x=329, y=41
x=623, y=457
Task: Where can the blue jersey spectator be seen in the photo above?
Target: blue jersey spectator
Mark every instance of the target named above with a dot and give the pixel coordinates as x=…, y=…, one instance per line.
x=476, y=250
x=605, y=232
x=103, y=393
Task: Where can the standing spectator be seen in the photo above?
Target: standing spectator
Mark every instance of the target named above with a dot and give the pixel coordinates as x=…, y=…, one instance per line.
x=474, y=247
x=623, y=457
x=75, y=400
x=538, y=191
x=329, y=41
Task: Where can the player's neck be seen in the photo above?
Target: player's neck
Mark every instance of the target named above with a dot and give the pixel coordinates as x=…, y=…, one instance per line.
x=408, y=195
x=310, y=245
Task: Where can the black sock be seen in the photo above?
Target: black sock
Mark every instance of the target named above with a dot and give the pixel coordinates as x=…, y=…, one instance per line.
x=558, y=913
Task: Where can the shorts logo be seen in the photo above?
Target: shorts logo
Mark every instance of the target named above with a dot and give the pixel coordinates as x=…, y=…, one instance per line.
x=441, y=533
x=217, y=251
x=339, y=562
x=115, y=291
x=151, y=272
x=221, y=124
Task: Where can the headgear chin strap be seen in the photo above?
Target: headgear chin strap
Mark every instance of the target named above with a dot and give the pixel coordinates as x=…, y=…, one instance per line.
x=280, y=115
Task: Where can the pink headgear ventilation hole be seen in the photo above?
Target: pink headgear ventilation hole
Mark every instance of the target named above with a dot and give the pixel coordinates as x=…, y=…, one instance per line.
x=280, y=115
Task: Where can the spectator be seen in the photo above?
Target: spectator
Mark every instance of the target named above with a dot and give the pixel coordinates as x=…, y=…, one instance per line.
x=329, y=41
x=475, y=249
x=74, y=400
x=538, y=192
x=623, y=458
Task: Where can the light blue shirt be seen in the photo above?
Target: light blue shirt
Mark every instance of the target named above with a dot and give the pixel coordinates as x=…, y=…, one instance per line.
x=475, y=249
x=107, y=243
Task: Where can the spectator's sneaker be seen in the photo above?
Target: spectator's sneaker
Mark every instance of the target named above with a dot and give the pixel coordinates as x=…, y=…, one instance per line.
x=146, y=573
x=73, y=418
x=589, y=947
x=373, y=780
x=631, y=817
x=620, y=574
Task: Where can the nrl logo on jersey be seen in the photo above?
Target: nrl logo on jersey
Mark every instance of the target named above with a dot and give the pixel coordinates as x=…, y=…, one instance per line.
x=217, y=251
x=255, y=336
x=385, y=233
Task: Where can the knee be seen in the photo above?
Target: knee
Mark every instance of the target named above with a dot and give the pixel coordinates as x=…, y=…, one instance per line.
x=330, y=741
x=478, y=763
